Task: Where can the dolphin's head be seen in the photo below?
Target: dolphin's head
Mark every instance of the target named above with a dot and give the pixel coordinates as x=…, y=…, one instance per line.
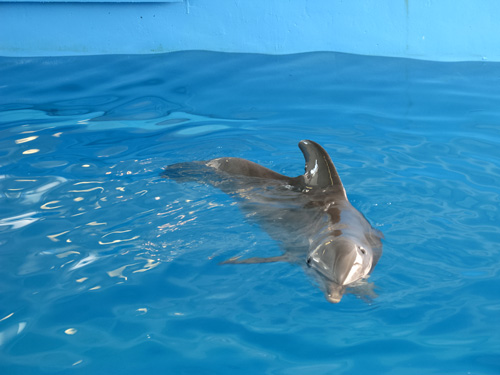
x=340, y=261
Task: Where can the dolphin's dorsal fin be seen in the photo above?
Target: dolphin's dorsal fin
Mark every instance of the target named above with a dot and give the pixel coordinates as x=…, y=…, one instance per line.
x=320, y=173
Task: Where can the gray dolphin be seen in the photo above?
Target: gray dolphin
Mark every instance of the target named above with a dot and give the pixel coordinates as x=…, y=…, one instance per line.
x=309, y=214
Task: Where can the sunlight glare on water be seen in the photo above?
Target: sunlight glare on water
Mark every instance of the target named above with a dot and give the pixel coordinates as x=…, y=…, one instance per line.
x=108, y=268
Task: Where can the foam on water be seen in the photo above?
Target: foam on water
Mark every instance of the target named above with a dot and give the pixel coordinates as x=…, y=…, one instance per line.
x=108, y=268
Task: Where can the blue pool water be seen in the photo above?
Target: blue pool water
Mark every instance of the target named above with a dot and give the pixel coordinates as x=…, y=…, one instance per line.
x=106, y=268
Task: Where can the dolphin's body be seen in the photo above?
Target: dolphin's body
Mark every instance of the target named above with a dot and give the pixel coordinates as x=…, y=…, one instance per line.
x=310, y=214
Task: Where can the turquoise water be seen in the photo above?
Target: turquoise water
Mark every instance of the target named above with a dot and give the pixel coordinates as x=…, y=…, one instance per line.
x=108, y=268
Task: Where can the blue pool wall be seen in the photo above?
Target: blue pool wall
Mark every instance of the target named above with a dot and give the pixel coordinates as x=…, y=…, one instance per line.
x=443, y=30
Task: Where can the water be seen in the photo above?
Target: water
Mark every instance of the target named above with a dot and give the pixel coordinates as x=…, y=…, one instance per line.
x=108, y=268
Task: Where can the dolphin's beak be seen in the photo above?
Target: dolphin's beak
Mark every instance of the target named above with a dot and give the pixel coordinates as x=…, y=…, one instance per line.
x=333, y=299
x=334, y=292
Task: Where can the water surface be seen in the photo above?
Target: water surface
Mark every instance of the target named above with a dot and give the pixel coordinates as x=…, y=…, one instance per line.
x=108, y=268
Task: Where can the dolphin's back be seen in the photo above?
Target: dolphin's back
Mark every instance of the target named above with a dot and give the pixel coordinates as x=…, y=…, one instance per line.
x=246, y=168
x=319, y=175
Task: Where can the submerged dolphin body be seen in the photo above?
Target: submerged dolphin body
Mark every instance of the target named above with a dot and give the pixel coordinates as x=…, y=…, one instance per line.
x=310, y=214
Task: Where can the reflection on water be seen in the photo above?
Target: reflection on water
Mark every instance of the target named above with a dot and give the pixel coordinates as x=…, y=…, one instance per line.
x=86, y=221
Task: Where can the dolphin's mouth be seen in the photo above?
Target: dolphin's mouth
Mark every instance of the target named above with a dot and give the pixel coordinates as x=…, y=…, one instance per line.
x=333, y=299
x=334, y=292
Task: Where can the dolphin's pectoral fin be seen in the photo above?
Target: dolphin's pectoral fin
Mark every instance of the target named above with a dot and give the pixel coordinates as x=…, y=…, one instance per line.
x=377, y=233
x=374, y=239
x=255, y=260
x=364, y=290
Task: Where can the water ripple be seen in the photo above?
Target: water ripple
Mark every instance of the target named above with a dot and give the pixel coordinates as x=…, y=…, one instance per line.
x=106, y=267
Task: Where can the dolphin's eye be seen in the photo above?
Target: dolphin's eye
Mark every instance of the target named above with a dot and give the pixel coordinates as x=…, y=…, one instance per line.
x=363, y=251
x=308, y=261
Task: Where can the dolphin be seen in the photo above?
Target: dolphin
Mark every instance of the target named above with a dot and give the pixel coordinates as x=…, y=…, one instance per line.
x=309, y=214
